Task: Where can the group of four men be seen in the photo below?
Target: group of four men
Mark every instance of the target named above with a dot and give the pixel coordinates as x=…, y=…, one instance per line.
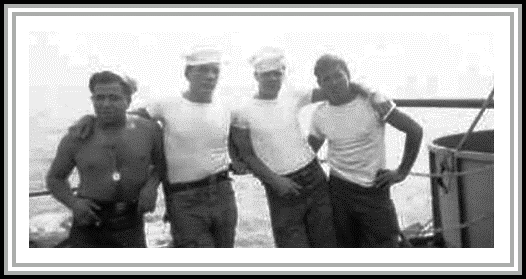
x=195, y=140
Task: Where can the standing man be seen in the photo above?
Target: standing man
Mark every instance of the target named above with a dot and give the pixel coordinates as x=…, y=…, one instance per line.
x=200, y=200
x=120, y=165
x=268, y=134
x=353, y=122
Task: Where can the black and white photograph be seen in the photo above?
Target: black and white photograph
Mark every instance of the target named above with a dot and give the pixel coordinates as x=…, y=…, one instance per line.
x=264, y=130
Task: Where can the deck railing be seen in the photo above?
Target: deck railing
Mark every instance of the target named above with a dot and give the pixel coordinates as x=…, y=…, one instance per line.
x=417, y=103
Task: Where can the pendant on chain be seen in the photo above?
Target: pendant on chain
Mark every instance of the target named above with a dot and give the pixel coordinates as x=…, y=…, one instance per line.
x=116, y=176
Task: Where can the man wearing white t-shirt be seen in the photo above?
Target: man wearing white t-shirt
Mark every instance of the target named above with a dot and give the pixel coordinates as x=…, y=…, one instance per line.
x=200, y=199
x=353, y=122
x=268, y=134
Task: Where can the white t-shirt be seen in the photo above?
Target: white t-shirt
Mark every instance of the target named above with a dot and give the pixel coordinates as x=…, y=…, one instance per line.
x=276, y=132
x=356, y=136
x=195, y=135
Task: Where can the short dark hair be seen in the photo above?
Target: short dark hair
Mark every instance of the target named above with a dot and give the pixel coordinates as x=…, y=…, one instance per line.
x=327, y=61
x=128, y=85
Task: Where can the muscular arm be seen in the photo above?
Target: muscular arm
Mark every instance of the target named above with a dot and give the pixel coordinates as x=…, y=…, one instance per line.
x=413, y=132
x=57, y=183
x=158, y=173
x=238, y=167
x=241, y=139
x=232, y=148
x=157, y=170
x=61, y=167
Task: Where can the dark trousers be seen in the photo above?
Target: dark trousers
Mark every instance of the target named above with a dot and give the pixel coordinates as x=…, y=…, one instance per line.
x=304, y=221
x=363, y=217
x=121, y=227
x=204, y=217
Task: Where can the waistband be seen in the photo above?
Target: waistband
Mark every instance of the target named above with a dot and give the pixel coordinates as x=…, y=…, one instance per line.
x=355, y=187
x=110, y=209
x=306, y=170
x=117, y=215
x=207, y=181
x=310, y=177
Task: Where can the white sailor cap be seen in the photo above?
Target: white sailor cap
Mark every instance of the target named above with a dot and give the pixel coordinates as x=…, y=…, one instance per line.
x=268, y=59
x=203, y=55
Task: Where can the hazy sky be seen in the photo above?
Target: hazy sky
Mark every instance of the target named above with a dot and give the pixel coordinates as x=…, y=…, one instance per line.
x=66, y=52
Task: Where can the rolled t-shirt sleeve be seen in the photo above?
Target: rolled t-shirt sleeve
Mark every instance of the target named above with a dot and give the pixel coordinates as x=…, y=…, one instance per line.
x=382, y=105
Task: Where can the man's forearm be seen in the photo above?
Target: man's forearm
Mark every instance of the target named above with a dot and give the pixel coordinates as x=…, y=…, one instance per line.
x=260, y=170
x=233, y=151
x=60, y=189
x=242, y=145
x=153, y=181
x=156, y=174
x=411, y=150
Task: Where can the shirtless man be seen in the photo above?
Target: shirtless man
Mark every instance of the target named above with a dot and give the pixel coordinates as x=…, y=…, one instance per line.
x=120, y=165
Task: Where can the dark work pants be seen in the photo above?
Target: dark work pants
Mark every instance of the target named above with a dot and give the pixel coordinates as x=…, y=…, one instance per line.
x=363, y=217
x=304, y=221
x=204, y=217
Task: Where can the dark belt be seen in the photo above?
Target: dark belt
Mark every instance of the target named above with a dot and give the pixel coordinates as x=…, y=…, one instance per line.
x=307, y=170
x=209, y=180
x=117, y=214
x=116, y=208
x=309, y=176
